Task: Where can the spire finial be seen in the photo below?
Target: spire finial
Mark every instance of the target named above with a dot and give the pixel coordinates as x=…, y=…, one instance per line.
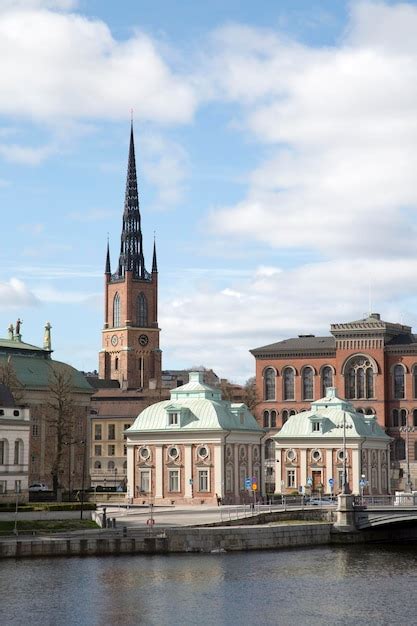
x=154, y=263
x=107, y=270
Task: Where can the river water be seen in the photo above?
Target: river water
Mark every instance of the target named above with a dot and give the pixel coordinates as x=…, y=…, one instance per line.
x=326, y=585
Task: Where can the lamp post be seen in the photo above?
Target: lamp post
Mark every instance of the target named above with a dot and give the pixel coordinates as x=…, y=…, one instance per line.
x=69, y=444
x=408, y=484
x=83, y=477
x=362, y=485
x=345, y=489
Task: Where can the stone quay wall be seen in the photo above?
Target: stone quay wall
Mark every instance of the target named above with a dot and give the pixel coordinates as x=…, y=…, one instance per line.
x=180, y=540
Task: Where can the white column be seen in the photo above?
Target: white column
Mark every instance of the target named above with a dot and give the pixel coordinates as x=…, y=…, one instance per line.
x=131, y=471
x=303, y=467
x=355, y=471
x=159, y=472
x=219, y=471
x=236, y=472
x=188, y=470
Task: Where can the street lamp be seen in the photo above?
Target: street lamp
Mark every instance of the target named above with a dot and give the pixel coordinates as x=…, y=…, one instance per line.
x=345, y=489
x=408, y=485
x=362, y=484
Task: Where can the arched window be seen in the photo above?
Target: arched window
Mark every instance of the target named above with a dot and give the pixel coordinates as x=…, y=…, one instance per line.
x=284, y=416
x=403, y=417
x=415, y=417
x=97, y=465
x=399, y=382
x=395, y=418
x=308, y=383
x=269, y=449
x=266, y=419
x=360, y=410
x=110, y=465
x=415, y=381
x=359, y=378
x=415, y=451
x=18, y=452
x=269, y=384
x=326, y=379
x=116, y=311
x=273, y=419
x=293, y=412
x=288, y=377
x=141, y=310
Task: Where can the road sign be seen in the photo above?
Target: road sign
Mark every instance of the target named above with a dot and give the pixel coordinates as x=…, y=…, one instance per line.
x=248, y=483
x=331, y=482
x=190, y=481
x=362, y=482
x=150, y=521
x=309, y=481
x=254, y=487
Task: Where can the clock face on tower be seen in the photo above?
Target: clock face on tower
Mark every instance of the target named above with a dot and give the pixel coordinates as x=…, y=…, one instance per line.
x=114, y=340
x=143, y=340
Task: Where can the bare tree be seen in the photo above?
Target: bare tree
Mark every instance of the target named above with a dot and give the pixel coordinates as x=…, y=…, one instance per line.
x=9, y=378
x=251, y=396
x=60, y=419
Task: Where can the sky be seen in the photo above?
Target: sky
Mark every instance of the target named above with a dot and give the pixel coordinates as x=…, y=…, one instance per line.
x=276, y=147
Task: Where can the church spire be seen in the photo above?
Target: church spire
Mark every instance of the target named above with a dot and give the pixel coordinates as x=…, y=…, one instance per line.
x=131, y=247
x=107, y=271
x=154, y=263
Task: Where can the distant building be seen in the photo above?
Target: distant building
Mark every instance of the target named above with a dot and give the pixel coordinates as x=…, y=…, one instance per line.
x=34, y=378
x=14, y=448
x=371, y=362
x=193, y=448
x=310, y=448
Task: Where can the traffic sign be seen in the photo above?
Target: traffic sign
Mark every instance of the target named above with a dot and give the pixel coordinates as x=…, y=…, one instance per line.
x=362, y=482
x=331, y=482
x=248, y=483
x=309, y=481
x=150, y=521
x=254, y=487
x=190, y=481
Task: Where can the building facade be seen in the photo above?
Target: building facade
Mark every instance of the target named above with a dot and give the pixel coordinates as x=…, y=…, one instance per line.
x=14, y=448
x=311, y=447
x=130, y=358
x=193, y=448
x=372, y=363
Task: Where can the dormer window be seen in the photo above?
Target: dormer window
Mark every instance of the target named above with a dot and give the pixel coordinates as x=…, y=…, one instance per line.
x=316, y=427
x=173, y=419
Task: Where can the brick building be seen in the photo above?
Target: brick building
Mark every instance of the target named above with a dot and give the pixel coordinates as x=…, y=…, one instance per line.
x=372, y=363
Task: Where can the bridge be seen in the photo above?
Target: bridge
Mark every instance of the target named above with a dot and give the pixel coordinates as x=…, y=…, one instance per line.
x=355, y=513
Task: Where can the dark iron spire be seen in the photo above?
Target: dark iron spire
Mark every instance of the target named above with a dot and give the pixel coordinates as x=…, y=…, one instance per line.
x=108, y=267
x=154, y=263
x=131, y=248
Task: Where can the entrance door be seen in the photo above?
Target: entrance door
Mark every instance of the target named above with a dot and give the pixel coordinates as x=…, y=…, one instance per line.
x=316, y=475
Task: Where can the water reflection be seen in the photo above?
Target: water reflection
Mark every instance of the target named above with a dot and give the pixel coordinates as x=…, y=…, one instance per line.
x=355, y=585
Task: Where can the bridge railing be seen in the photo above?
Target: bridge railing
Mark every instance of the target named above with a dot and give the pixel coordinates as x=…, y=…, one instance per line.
x=369, y=501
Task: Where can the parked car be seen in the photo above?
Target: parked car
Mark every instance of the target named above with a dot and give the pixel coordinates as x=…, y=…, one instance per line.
x=38, y=487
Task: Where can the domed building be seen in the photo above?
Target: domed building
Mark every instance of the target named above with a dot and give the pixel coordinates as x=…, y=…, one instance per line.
x=193, y=448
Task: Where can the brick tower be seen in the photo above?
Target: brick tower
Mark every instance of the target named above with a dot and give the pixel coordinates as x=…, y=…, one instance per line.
x=130, y=349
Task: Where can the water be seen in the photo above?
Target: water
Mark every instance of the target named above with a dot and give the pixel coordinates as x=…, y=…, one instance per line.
x=326, y=585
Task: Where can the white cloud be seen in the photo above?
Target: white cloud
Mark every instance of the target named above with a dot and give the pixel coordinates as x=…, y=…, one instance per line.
x=64, y=5
x=27, y=155
x=14, y=294
x=340, y=127
x=58, y=65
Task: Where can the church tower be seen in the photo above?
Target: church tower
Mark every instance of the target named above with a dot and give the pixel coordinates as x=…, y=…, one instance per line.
x=130, y=348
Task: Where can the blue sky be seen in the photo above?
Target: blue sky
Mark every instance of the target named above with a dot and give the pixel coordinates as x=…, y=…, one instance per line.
x=276, y=153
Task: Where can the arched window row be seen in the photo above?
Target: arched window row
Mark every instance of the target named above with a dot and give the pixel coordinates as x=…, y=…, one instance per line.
x=289, y=374
x=270, y=417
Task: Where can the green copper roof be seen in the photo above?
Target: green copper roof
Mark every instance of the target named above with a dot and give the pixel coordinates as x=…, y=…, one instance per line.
x=20, y=346
x=333, y=414
x=200, y=407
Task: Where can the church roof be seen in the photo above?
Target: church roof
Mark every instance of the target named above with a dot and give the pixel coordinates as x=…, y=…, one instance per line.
x=332, y=413
x=200, y=407
x=296, y=344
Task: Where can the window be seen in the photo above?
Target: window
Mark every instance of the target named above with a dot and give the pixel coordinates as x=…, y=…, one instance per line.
x=97, y=465
x=229, y=479
x=203, y=481
x=415, y=417
x=125, y=427
x=124, y=450
x=266, y=419
x=403, y=417
x=141, y=310
x=144, y=481
x=290, y=478
x=316, y=427
x=111, y=450
x=116, y=311
x=359, y=379
x=97, y=432
x=17, y=486
x=144, y=453
x=111, y=431
x=35, y=428
x=242, y=478
x=174, y=480
x=399, y=450
x=269, y=382
x=415, y=381
x=110, y=465
x=269, y=449
x=399, y=382
x=326, y=379
x=3, y=486
x=308, y=383
x=173, y=419
x=18, y=449
x=203, y=452
x=97, y=450
x=288, y=383
x=116, y=363
x=273, y=419
x=270, y=419
x=2, y=452
x=284, y=415
x=173, y=452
